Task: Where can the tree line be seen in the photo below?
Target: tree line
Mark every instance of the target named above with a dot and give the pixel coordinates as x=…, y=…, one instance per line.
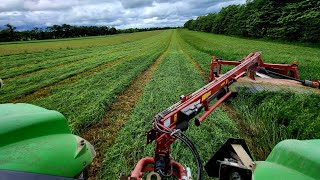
x=9, y=33
x=292, y=20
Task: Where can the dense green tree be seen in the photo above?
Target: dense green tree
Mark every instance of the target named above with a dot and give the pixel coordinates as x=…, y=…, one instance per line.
x=293, y=20
x=189, y=24
x=11, y=30
x=8, y=33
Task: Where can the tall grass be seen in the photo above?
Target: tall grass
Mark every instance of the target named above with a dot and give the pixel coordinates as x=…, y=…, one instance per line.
x=269, y=117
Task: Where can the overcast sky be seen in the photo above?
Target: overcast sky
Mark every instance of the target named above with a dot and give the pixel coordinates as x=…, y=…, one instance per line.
x=118, y=13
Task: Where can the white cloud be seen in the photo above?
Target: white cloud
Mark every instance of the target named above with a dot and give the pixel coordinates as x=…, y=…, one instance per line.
x=118, y=13
x=40, y=5
x=135, y=3
x=220, y=5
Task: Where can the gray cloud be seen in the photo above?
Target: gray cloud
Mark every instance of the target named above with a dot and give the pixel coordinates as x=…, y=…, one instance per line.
x=135, y=3
x=118, y=13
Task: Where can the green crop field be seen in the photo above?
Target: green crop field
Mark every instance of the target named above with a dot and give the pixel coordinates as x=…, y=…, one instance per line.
x=114, y=85
x=29, y=48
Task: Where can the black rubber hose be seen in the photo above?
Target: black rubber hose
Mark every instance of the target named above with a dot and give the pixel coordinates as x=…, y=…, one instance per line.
x=194, y=151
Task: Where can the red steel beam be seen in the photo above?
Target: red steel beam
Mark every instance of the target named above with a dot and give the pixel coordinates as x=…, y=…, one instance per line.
x=210, y=89
x=207, y=113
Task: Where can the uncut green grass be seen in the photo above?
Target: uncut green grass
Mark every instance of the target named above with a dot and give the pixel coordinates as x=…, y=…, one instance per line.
x=175, y=76
x=31, y=82
x=85, y=101
x=233, y=48
x=274, y=116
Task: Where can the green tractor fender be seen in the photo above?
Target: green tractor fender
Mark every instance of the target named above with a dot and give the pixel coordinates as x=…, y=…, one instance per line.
x=37, y=140
x=291, y=159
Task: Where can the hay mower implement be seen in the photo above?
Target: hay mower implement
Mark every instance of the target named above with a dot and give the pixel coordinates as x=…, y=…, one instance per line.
x=37, y=143
x=233, y=160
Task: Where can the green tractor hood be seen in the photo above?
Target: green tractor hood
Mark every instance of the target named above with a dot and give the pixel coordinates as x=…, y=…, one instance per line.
x=291, y=159
x=37, y=140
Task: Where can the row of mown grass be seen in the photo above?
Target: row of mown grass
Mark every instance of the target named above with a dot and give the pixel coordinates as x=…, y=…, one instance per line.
x=13, y=67
x=85, y=100
x=23, y=59
x=15, y=61
x=265, y=118
x=21, y=62
x=65, y=44
x=28, y=83
x=175, y=76
x=201, y=58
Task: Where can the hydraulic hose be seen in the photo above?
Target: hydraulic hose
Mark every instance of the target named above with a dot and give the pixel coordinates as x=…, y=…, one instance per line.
x=179, y=135
x=264, y=71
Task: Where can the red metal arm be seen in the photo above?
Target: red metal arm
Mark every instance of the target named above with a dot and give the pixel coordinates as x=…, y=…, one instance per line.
x=290, y=70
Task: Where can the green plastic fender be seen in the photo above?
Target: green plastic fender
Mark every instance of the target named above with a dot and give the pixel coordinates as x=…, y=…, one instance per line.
x=291, y=159
x=37, y=140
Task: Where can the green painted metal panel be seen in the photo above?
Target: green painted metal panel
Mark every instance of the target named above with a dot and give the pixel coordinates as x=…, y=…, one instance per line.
x=24, y=121
x=267, y=170
x=291, y=159
x=34, y=139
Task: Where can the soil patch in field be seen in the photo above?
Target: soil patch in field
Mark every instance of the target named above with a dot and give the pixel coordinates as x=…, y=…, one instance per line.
x=103, y=134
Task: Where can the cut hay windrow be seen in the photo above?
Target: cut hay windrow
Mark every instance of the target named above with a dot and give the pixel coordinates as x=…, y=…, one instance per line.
x=96, y=92
x=18, y=72
x=27, y=84
x=105, y=52
x=11, y=67
x=28, y=48
x=47, y=90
